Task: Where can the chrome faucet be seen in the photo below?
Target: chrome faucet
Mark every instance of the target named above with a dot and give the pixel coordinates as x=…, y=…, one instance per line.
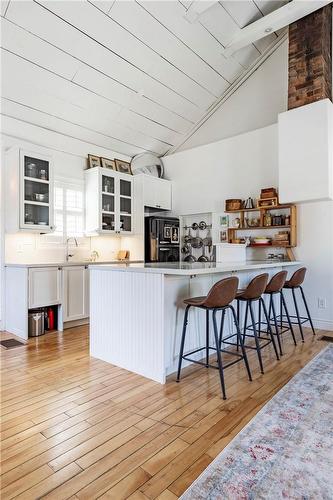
x=68, y=255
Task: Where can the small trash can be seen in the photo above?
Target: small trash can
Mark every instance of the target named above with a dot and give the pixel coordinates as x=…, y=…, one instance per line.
x=36, y=323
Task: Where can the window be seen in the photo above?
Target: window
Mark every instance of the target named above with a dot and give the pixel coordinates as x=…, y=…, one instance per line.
x=68, y=214
x=68, y=210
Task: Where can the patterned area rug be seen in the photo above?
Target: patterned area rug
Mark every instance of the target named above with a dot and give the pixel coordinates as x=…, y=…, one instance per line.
x=286, y=451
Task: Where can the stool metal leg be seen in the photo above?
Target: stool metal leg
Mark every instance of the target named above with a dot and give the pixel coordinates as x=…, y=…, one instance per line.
x=207, y=338
x=269, y=328
x=276, y=325
x=281, y=317
x=297, y=313
x=307, y=311
x=288, y=317
x=219, y=357
x=259, y=318
x=221, y=327
x=238, y=320
x=270, y=309
x=256, y=336
x=182, y=343
x=240, y=342
x=245, y=320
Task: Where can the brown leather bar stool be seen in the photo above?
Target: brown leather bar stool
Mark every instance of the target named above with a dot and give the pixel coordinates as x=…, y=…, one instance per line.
x=273, y=288
x=252, y=294
x=293, y=284
x=219, y=298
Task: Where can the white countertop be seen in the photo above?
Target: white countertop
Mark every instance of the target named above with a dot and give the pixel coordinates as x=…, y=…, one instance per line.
x=188, y=269
x=71, y=263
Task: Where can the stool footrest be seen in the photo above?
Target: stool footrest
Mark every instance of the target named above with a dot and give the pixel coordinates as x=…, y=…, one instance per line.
x=302, y=319
x=272, y=324
x=269, y=341
x=237, y=354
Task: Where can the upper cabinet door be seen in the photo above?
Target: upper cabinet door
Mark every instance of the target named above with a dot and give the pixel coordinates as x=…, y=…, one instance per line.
x=157, y=192
x=36, y=192
x=125, y=214
x=108, y=201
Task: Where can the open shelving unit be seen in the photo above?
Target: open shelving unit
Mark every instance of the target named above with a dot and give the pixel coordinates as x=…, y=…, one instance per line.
x=292, y=227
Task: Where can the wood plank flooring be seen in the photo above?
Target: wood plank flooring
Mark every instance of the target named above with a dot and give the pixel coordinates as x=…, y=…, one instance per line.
x=76, y=427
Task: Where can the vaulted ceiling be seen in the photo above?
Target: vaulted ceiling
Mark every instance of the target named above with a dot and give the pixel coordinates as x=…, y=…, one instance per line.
x=129, y=75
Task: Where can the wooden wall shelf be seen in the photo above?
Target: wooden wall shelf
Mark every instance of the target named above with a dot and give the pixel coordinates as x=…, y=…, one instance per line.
x=259, y=209
x=292, y=227
x=259, y=227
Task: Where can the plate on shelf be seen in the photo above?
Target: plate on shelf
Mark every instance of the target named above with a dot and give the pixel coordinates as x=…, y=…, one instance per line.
x=261, y=241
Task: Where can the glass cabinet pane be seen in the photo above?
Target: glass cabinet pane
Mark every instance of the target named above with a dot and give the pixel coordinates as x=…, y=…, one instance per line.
x=107, y=203
x=125, y=188
x=108, y=222
x=107, y=184
x=126, y=223
x=36, y=191
x=36, y=168
x=36, y=215
x=125, y=205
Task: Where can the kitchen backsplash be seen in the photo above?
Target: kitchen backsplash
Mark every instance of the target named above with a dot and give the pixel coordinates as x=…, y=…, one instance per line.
x=34, y=249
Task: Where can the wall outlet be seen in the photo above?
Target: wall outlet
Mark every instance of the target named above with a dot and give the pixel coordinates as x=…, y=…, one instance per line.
x=322, y=304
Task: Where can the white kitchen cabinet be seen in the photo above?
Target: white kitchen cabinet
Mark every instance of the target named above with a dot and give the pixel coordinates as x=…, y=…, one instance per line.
x=156, y=192
x=44, y=286
x=109, y=202
x=29, y=191
x=75, y=293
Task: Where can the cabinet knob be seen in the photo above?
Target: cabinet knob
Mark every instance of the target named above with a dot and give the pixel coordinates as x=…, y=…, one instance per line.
x=59, y=268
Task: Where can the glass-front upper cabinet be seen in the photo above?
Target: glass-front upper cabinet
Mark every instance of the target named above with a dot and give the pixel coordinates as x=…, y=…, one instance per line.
x=125, y=205
x=36, y=192
x=109, y=202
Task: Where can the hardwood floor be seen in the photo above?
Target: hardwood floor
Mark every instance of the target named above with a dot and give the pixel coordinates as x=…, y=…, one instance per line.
x=76, y=427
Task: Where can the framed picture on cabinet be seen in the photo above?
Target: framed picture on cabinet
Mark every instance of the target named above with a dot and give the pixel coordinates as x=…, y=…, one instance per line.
x=94, y=161
x=106, y=163
x=123, y=167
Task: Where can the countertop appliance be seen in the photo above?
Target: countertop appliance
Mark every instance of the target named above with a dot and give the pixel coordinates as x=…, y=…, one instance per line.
x=162, y=239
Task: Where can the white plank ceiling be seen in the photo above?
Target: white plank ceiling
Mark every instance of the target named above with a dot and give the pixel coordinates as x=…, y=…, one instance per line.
x=128, y=76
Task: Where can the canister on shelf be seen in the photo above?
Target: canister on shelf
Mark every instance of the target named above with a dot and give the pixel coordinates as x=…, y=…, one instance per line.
x=267, y=219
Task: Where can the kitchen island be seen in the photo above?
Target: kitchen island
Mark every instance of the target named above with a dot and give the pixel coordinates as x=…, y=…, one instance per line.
x=136, y=310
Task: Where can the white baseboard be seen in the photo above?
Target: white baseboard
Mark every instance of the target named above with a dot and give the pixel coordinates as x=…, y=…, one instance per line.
x=77, y=322
x=16, y=332
x=322, y=324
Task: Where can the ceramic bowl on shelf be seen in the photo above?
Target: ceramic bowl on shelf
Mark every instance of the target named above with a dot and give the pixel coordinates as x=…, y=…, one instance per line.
x=261, y=241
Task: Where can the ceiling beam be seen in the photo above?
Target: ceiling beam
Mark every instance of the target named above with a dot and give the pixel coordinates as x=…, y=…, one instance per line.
x=280, y=18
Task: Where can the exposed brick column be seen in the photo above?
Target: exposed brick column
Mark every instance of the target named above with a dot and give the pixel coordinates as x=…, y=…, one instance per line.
x=310, y=58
